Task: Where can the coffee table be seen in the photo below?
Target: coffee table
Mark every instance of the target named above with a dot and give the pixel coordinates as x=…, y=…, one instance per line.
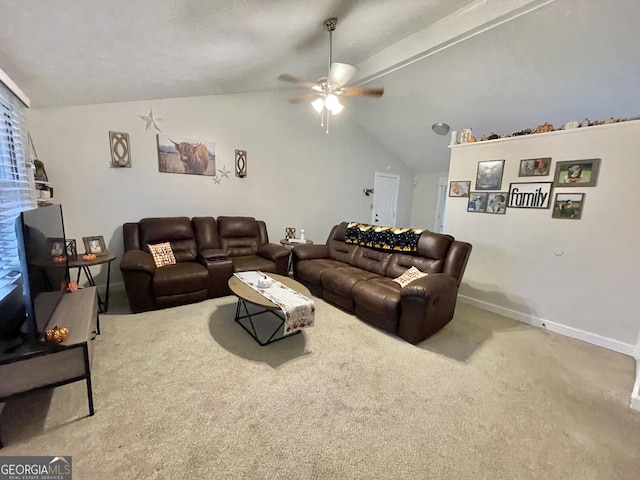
x=246, y=294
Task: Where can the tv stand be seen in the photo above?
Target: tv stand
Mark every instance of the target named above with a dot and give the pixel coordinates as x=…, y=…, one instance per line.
x=36, y=365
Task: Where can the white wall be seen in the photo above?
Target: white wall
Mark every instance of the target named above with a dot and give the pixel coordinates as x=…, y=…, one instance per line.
x=425, y=199
x=297, y=174
x=577, y=277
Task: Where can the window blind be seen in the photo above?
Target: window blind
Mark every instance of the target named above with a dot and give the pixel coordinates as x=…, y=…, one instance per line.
x=17, y=190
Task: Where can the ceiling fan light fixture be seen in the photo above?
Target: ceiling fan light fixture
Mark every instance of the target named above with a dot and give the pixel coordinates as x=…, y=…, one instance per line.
x=332, y=102
x=337, y=108
x=318, y=104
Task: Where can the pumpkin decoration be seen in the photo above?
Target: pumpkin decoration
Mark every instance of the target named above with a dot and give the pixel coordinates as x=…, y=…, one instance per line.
x=89, y=257
x=55, y=334
x=59, y=259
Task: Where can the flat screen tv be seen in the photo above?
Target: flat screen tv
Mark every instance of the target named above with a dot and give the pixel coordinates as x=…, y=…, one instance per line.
x=45, y=265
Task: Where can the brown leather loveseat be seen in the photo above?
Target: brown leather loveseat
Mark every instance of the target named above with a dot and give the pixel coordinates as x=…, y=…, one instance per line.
x=359, y=279
x=206, y=252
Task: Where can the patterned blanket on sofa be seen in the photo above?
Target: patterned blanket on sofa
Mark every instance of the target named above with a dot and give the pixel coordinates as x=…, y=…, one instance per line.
x=385, y=238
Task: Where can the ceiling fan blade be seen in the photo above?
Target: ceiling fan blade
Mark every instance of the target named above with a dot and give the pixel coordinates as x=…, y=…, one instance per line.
x=306, y=98
x=364, y=92
x=341, y=73
x=285, y=77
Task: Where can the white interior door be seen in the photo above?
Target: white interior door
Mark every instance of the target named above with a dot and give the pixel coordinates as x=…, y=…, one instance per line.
x=385, y=199
x=441, y=205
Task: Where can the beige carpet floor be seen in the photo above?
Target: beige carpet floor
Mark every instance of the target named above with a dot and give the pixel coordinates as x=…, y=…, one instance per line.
x=185, y=393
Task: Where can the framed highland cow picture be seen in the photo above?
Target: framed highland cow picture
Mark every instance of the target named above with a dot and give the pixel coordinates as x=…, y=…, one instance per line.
x=186, y=155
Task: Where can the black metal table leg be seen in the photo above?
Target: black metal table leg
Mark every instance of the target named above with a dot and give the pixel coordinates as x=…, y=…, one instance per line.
x=253, y=333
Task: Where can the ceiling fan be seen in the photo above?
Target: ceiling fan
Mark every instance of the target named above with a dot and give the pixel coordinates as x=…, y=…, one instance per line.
x=327, y=90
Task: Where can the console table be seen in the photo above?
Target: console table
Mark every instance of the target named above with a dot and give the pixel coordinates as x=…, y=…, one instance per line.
x=36, y=365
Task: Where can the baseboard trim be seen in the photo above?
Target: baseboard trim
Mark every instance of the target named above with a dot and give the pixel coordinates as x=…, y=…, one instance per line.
x=594, y=339
x=635, y=395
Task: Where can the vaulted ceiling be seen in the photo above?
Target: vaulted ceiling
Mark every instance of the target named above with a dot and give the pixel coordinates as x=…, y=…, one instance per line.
x=491, y=65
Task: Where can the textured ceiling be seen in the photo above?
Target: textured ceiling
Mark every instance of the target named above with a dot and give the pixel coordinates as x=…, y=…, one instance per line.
x=557, y=61
x=66, y=52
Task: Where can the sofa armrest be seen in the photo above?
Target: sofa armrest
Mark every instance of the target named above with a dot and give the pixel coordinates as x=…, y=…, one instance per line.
x=213, y=254
x=427, y=304
x=430, y=286
x=272, y=251
x=308, y=252
x=137, y=260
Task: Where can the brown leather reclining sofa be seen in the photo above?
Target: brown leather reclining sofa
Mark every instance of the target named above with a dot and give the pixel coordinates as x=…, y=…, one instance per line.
x=207, y=252
x=359, y=279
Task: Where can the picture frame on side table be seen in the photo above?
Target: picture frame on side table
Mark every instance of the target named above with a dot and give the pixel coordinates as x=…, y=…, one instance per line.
x=71, y=249
x=56, y=246
x=568, y=205
x=489, y=176
x=577, y=173
x=459, y=188
x=95, y=245
x=477, y=202
x=535, y=167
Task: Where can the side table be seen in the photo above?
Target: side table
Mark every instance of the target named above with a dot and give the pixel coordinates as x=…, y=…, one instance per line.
x=288, y=244
x=83, y=266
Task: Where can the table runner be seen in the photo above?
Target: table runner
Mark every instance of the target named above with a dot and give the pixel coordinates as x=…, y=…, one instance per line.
x=298, y=310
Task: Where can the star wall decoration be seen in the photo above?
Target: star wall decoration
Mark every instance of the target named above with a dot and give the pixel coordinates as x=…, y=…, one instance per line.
x=224, y=172
x=216, y=180
x=151, y=120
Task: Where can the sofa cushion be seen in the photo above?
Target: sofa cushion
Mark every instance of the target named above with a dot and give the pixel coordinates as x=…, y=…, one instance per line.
x=180, y=278
x=401, y=262
x=162, y=254
x=310, y=271
x=381, y=296
x=177, y=230
x=371, y=260
x=246, y=263
x=341, y=280
x=239, y=235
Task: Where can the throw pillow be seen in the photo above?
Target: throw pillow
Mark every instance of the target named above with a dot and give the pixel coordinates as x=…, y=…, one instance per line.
x=409, y=276
x=162, y=254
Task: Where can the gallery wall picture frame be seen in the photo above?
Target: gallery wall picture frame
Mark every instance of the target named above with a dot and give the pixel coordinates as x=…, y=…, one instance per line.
x=186, y=155
x=477, y=202
x=577, y=173
x=95, y=245
x=56, y=246
x=497, y=202
x=568, y=206
x=459, y=188
x=529, y=195
x=535, y=167
x=489, y=176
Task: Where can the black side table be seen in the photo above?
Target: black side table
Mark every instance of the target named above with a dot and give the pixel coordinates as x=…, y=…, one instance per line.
x=83, y=266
